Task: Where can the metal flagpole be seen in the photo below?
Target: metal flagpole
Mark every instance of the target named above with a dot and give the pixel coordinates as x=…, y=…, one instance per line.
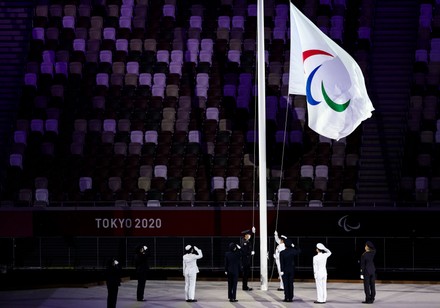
x=262, y=144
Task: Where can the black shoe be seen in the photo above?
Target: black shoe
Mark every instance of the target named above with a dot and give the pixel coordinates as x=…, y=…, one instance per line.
x=279, y=289
x=367, y=302
x=233, y=300
x=192, y=300
x=247, y=289
x=285, y=300
x=316, y=302
x=142, y=300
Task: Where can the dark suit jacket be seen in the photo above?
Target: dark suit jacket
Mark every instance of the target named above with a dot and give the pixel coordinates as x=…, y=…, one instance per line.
x=287, y=259
x=367, y=263
x=232, y=262
x=141, y=263
x=246, y=251
x=113, y=275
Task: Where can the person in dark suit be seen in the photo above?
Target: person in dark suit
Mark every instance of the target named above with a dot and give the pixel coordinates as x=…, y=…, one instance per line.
x=141, y=264
x=368, y=272
x=287, y=265
x=113, y=281
x=246, y=258
x=232, y=270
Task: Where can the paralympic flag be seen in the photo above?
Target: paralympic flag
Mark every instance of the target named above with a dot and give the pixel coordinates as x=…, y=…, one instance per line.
x=331, y=80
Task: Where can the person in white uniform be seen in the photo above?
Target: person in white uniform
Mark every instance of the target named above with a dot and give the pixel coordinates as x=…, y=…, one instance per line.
x=280, y=247
x=320, y=272
x=190, y=270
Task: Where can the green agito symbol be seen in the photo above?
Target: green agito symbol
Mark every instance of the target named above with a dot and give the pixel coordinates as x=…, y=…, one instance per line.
x=332, y=104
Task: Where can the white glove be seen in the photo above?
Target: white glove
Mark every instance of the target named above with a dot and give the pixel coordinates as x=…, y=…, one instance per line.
x=252, y=253
x=274, y=256
x=195, y=247
x=293, y=245
x=362, y=277
x=238, y=246
x=253, y=229
x=226, y=273
x=281, y=273
x=276, y=233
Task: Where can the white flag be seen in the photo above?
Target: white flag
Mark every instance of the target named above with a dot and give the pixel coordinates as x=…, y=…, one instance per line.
x=331, y=80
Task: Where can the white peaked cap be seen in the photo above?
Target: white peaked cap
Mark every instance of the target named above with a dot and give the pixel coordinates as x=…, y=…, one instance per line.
x=283, y=237
x=320, y=246
x=188, y=247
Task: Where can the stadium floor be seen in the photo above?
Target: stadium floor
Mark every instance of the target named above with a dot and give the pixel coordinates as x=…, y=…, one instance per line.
x=169, y=293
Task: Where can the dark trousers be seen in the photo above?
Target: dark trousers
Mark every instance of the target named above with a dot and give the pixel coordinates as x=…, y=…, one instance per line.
x=232, y=286
x=112, y=296
x=288, y=285
x=370, y=287
x=246, y=273
x=141, y=287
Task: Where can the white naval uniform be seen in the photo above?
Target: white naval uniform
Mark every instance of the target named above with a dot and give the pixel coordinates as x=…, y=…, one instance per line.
x=320, y=273
x=190, y=270
x=276, y=255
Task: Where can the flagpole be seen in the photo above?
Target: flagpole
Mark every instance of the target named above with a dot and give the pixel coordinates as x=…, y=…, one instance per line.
x=261, y=68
